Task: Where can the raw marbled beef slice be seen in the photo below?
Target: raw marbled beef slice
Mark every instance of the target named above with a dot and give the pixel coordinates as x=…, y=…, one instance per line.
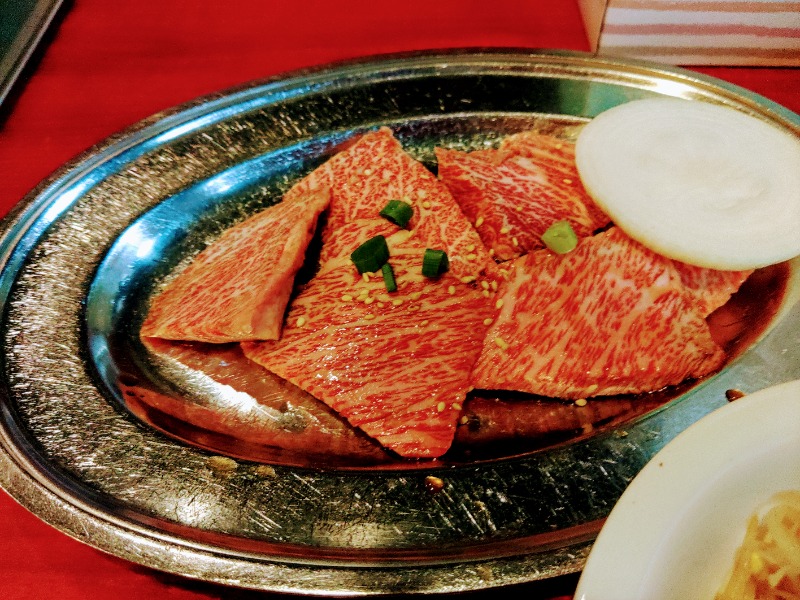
x=238, y=287
x=514, y=195
x=556, y=157
x=375, y=169
x=610, y=317
x=395, y=365
x=489, y=421
x=250, y=404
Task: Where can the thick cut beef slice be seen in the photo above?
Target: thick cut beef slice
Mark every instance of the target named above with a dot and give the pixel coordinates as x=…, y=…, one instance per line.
x=514, y=194
x=238, y=287
x=375, y=169
x=249, y=404
x=396, y=365
x=610, y=317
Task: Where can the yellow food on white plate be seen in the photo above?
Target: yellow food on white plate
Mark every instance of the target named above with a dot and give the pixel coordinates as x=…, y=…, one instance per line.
x=698, y=182
x=674, y=532
x=767, y=564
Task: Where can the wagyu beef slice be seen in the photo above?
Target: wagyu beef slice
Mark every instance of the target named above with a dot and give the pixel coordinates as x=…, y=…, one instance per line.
x=514, y=194
x=238, y=287
x=610, y=317
x=394, y=365
x=375, y=169
x=487, y=420
x=249, y=404
x=556, y=157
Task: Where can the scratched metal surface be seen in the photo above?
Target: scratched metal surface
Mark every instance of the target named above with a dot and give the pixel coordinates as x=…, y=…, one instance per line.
x=83, y=251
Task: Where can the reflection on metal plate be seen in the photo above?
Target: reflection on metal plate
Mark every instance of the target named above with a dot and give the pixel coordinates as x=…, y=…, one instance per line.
x=83, y=448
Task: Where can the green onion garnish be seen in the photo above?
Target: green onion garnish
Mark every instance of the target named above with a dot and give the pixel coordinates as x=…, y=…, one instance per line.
x=560, y=237
x=434, y=263
x=371, y=255
x=398, y=212
x=388, y=277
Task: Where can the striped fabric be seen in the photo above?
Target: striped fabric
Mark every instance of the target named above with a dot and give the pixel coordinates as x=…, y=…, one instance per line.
x=696, y=32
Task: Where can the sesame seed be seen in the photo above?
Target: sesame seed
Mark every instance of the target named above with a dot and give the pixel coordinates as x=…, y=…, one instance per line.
x=499, y=303
x=471, y=248
x=456, y=406
x=301, y=321
x=485, y=293
x=423, y=323
x=347, y=298
x=433, y=485
x=266, y=471
x=501, y=343
x=397, y=302
x=580, y=402
x=367, y=171
x=567, y=181
x=369, y=317
x=451, y=290
x=493, y=285
x=468, y=279
x=471, y=256
x=514, y=242
x=369, y=300
x=440, y=407
x=478, y=221
x=518, y=209
x=365, y=277
x=491, y=251
x=414, y=307
x=464, y=420
x=222, y=463
x=505, y=230
x=487, y=322
x=559, y=146
x=415, y=295
x=401, y=236
x=485, y=285
x=426, y=204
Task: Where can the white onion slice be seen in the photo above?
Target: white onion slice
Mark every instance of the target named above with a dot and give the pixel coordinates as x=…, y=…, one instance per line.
x=697, y=182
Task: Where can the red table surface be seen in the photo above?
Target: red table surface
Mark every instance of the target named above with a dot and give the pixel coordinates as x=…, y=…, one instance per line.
x=108, y=65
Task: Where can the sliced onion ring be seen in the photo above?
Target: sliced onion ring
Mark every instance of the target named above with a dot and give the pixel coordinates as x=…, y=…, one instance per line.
x=697, y=182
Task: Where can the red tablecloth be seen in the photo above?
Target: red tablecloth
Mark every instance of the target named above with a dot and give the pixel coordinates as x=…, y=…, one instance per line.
x=110, y=64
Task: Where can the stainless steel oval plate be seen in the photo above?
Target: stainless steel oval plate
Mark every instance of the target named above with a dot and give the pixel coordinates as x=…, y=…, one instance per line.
x=83, y=250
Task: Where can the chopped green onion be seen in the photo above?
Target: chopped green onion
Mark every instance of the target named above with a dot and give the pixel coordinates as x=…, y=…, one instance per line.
x=398, y=212
x=434, y=263
x=560, y=237
x=388, y=277
x=371, y=255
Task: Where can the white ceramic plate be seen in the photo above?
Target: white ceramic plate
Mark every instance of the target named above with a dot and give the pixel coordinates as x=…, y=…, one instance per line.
x=675, y=529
